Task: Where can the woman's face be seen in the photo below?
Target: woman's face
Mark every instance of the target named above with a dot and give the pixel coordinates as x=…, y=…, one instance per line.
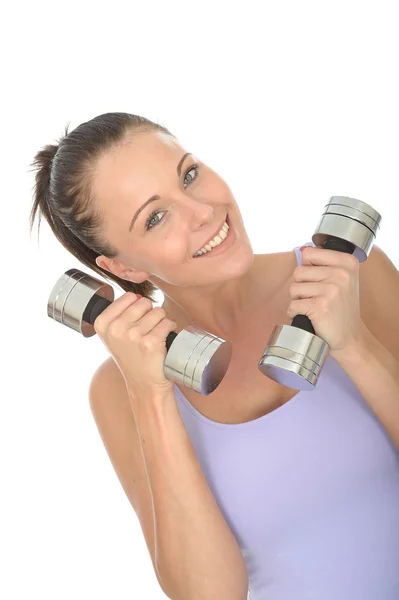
x=157, y=239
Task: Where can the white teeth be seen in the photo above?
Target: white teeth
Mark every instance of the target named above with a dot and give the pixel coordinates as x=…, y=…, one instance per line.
x=218, y=239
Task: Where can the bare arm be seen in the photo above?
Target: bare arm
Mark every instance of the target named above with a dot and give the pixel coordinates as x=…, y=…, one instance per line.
x=196, y=554
x=375, y=373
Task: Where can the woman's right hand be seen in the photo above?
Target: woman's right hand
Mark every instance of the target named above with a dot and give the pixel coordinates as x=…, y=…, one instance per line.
x=135, y=334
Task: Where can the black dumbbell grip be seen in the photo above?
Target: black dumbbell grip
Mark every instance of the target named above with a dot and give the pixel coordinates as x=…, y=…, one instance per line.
x=302, y=321
x=96, y=306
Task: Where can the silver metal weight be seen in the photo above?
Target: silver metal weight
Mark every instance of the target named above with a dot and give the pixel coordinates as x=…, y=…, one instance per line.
x=195, y=358
x=294, y=355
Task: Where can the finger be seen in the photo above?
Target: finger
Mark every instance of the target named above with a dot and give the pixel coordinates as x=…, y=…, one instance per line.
x=306, y=290
x=323, y=256
x=313, y=273
x=114, y=310
x=143, y=316
x=150, y=320
x=135, y=311
x=163, y=328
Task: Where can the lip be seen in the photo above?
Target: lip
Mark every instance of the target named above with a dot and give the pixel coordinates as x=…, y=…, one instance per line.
x=215, y=234
x=225, y=245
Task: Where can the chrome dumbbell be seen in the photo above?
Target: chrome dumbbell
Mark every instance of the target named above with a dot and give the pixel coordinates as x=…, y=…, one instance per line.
x=195, y=358
x=294, y=355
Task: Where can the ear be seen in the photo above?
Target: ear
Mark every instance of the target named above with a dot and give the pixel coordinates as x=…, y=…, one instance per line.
x=118, y=268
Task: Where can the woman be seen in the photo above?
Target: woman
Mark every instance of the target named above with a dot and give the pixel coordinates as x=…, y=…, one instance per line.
x=257, y=488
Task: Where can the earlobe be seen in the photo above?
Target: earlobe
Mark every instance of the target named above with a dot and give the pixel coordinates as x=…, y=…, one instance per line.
x=135, y=276
x=118, y=269
x=129, y=274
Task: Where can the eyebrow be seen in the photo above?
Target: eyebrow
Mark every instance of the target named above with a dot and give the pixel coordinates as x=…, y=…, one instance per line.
x=153, y=198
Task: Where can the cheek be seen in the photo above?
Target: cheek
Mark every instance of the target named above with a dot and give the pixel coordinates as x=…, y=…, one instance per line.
x=172, y=248
x=213, y=189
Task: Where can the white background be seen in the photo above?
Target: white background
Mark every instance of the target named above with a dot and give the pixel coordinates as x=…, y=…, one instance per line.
x=291, y=102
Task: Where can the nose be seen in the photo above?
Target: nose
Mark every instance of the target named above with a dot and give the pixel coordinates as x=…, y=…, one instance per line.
x=198, y=214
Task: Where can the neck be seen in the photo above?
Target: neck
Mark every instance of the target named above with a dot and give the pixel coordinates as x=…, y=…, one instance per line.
x=227, y=309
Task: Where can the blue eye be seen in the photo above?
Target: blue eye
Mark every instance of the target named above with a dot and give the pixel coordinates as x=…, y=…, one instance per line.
x=157, y=211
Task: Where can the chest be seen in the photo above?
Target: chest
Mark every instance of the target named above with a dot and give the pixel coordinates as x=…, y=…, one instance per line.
x=328, y=451
x=244, y=393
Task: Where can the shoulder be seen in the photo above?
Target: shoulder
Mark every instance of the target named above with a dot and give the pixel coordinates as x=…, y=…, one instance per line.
x=277, y=259
x=278, y=265
x=107, y=382
x=378, y=296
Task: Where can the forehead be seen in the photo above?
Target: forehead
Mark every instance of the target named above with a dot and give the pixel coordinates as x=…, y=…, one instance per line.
x=135, y=167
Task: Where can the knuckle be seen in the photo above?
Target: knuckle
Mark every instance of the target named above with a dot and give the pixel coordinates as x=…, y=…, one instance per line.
x=344, y=275
x=98, y=325
x=147, y=301
x=114, y=328
x=352, y=261
x=297, y=272
x=333, y=290
x=323, y=303
x=133, y=333
x=148, y=343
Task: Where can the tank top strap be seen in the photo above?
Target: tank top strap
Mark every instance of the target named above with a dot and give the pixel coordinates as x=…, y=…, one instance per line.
x=298, y=253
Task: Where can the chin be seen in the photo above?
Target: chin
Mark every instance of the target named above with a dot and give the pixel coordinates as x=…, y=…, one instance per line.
x=237, y=264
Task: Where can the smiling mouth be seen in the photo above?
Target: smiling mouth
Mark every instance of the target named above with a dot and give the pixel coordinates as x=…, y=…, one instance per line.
x=213, y=243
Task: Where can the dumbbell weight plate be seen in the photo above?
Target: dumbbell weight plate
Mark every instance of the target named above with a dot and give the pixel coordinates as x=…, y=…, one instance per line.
x=195, y=358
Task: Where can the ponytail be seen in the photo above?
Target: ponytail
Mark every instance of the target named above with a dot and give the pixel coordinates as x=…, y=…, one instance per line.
x=63, y=194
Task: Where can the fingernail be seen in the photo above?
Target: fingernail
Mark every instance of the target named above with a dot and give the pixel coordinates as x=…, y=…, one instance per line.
x=301, y=248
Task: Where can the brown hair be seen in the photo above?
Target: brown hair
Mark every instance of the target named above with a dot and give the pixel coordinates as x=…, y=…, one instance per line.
x=62, y=189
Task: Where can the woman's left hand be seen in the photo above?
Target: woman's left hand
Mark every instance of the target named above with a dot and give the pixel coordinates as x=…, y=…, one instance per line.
x=326, y=290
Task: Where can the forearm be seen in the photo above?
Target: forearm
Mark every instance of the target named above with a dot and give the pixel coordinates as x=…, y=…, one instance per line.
x=197, y=556
x=375, y=372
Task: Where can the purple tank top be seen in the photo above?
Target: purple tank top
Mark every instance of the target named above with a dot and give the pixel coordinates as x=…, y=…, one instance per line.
x=310, y=492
